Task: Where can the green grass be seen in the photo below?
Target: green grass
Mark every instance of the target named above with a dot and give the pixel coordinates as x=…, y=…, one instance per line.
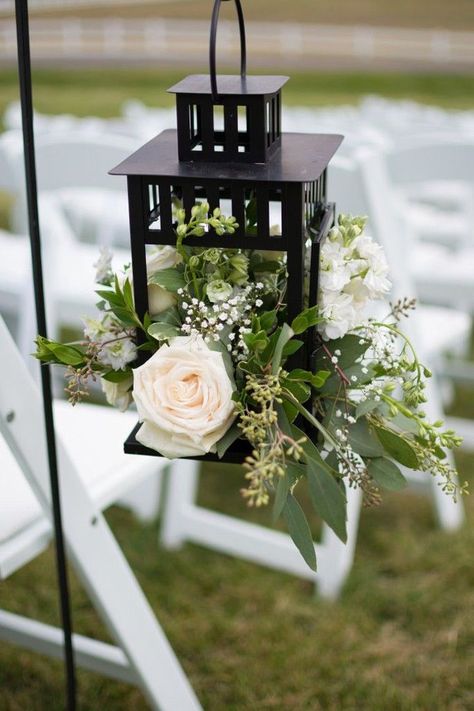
x=102, y=92
x=458, y=14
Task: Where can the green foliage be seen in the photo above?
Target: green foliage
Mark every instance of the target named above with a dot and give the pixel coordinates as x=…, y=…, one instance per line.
x=53, y=352
x=386, y=473
x=397, y=447
x=299, y=530
x=306, y=319
x=163, y=331
x=170, y=279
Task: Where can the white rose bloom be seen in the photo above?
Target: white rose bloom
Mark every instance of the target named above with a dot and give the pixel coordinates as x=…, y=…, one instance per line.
x=163, y=257
x=183, y=395
x=339, y=314
x=118, y=395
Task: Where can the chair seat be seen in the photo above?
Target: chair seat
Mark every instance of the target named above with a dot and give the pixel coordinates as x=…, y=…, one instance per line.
x=444, y=276
x=441, y=331
x=93, y=436
x=15, y=268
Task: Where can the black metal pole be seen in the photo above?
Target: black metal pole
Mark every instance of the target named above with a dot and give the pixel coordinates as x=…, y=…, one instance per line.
x=24, y=70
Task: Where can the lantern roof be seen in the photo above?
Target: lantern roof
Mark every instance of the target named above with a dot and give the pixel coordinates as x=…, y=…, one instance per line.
x=303, y=158
x=230, y=85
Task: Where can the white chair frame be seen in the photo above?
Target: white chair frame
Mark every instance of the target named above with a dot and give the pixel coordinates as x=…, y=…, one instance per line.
x=143, y=655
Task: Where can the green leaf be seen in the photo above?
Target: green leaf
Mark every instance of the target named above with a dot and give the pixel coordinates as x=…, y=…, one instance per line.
x=327, y=497
x=128, y=295
x=319, y=379
x=227, y=440
x=285, y=335
x=170, y=315
x=170, y=279
x=300, y=390
x=292, y=347
x=299, y=530
x=294, y=472
x=365, y=407
x=306, y=319
x=363, y=441
x=281, y=494
x=350, y=347
x=125, y=316
x=256, y=341
x=267, y=320
x=163, y=331
x=66, y=354
x=398, y=448
x=386, y=473
x=117, y=376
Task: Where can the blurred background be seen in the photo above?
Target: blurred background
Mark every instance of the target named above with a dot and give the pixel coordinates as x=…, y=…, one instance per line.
x=397, y=79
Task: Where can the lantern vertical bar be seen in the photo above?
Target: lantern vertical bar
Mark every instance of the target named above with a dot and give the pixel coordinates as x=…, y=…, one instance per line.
x=294, y=229
x=138, y=209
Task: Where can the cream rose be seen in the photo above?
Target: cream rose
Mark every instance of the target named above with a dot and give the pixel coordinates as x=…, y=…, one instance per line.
x=184, y=398
x=159, y=258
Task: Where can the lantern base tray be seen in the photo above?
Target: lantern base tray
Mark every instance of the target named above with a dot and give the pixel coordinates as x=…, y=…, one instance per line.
x=234, y=455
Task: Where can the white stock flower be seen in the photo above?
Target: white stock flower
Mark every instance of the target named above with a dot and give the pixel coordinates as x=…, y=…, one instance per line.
x=103, y=266
x=118, y=353
x=339, y=314
x=183, y=395
x=118, y=395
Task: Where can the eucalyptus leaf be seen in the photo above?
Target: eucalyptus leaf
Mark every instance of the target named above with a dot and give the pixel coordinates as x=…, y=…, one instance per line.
x=170, y=279
x=163, y=331
x=327, y=498
x=227, y=440
x=363, y=408
x=386, y=473
x=299, y=530
x=117, y=376
x=363, y=441
x=398, y=448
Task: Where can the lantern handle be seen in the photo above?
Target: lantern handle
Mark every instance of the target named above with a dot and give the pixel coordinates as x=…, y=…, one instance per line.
x=212, y=45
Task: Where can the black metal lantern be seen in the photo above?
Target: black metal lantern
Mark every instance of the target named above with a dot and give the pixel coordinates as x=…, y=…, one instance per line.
x=230, y=164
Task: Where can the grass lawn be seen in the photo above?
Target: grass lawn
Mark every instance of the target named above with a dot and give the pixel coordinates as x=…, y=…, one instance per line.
x=102, y=92
x=458, y=14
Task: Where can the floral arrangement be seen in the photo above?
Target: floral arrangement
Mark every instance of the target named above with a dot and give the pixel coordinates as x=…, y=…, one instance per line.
x=218, y=369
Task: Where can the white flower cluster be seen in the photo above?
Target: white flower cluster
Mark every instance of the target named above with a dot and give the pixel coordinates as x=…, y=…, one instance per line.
x=116, y=348
x=227, y=321
x=353, y=272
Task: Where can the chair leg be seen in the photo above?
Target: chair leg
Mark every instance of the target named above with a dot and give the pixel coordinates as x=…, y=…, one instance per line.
x=183, y=479
x=338, y=557
x=113, y=588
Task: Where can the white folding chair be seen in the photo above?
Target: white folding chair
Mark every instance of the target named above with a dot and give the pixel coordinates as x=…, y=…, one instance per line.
x=74, y=167
x=434, y=178
x=143, y=655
